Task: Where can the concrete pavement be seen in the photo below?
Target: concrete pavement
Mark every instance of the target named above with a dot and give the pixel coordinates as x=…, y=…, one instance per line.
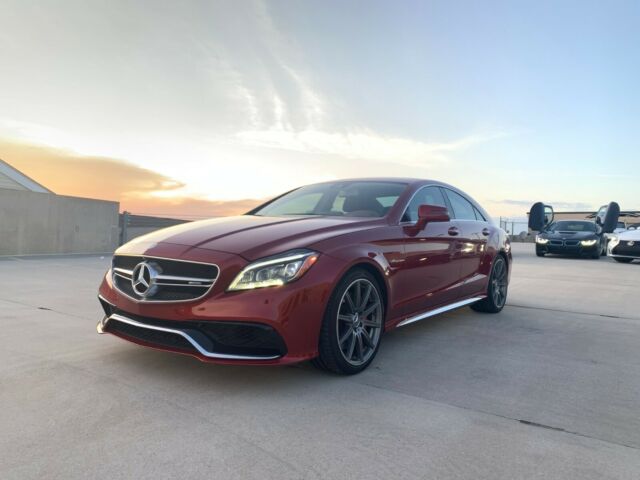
x=549, y=388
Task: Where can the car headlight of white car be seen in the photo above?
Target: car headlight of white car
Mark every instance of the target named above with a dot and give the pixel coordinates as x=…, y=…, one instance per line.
x=613, y=241
x=541, y=241
x=588, y=243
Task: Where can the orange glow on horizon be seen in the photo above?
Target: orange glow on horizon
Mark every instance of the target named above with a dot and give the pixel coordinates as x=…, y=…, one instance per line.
x=139, y=190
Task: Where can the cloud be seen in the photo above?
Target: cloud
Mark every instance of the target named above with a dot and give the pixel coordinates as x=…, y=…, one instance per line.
x=191, y=208
x=84, y=176
x=284, y=110
x=363, y=145
x=139, y=190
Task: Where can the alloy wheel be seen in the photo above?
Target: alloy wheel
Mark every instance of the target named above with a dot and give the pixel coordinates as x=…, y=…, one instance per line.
x=359, y=322
x=499, y=283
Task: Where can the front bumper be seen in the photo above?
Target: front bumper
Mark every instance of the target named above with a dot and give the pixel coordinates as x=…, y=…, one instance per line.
x=567, y=249
x=242, y=342
x=624, y=250
x=277, y=325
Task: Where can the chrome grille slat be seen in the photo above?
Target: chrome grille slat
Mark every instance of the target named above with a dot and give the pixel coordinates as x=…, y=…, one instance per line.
x=173, y=280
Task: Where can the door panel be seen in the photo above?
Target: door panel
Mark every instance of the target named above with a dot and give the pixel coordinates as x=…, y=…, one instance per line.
x=428, y=275
x=473, y=244
x=474, y=234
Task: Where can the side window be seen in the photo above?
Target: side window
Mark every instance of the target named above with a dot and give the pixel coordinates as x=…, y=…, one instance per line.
x=462, y=208
x=425, y=196
x=479, y=216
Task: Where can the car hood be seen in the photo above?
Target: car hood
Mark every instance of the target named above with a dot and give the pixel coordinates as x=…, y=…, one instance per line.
x=629, y=235
x=569, y=235
x=252, y=236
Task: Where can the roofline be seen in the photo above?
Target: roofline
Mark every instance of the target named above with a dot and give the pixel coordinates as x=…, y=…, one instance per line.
x=20, y=178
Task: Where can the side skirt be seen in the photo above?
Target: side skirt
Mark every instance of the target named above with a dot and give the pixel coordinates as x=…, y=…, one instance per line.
x=439, y=310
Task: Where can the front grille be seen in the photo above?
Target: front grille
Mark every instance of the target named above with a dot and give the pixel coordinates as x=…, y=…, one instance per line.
x=228, y=337
x=623, y=248
x=163, y=280
x=571, y=243
x=556, y=243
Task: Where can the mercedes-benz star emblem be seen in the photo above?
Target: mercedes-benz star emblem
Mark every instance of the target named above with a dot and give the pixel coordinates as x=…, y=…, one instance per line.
x=143, y=279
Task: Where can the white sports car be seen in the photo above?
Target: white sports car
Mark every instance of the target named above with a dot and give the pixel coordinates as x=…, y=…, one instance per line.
x=624, y=247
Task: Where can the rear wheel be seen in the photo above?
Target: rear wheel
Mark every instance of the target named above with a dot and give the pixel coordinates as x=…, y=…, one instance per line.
x=497, y=289
x=623, y=259
x=352, y=325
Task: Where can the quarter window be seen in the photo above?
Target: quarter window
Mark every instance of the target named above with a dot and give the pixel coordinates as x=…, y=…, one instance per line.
x=479, y=216
x=425, y=196
x=462, y=208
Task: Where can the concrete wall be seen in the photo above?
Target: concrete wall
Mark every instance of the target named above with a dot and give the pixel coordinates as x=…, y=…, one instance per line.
x=33, y=223
x=132, y=226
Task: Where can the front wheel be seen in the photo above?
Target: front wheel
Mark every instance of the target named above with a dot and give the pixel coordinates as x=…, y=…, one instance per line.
x=352, y=326
x=496, y=290
x=623, y=259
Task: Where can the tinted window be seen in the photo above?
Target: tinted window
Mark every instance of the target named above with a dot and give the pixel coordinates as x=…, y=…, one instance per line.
x=462, y=208
x=355, y=199
x=425, y=196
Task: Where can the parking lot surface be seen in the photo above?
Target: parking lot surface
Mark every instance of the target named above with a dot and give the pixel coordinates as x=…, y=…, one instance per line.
x=549, y=388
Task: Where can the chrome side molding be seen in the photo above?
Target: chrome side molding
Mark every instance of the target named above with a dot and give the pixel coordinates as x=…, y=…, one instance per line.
x=220, y=356
x=439, y=310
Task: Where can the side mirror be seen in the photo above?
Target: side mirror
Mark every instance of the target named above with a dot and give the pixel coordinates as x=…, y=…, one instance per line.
x=540, y=216
x=431, y=213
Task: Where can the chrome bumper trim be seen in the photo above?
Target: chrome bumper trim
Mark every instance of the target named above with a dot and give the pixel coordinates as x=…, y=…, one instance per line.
x=438, y=311
x=220, y=356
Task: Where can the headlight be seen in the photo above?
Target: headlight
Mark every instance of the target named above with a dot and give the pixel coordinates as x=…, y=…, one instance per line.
x=613, y=241
x=541, y=240
x=588, y=243
x=274, y=271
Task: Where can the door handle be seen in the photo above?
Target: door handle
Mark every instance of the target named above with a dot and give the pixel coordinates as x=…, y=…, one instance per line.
x=453, y=231
x=486, y=232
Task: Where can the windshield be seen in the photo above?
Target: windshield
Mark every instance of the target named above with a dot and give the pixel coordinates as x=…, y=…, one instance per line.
x=337, y=199
x=572, y=226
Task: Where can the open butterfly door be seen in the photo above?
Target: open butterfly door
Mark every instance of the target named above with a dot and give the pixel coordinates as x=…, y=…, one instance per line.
x=540, y=216
x=607, y=217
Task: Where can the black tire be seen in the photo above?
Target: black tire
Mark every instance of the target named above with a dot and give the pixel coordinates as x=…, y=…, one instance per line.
x=623, y=259
x=539, y=252
x=596, y=255
x=347, y=358
x=496, y=290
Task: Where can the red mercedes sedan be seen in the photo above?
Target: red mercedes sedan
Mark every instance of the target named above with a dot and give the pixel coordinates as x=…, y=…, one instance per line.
x=319, y=273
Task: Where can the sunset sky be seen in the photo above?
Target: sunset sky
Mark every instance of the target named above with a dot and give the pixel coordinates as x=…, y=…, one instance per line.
x=205, y=108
